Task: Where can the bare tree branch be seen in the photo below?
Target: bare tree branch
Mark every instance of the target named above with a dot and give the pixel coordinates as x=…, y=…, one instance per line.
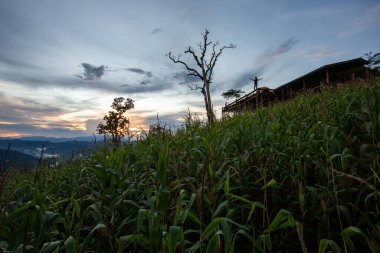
x=204, y=48
x=195, y=88
x=191, y=51
x=195, y=72
x=206, y=68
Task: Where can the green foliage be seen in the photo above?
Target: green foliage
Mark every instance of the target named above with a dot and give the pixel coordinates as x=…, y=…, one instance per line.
x=116, y=125
x=373, y=65
x=232, y=93
x=298, y=176
x=373, y=59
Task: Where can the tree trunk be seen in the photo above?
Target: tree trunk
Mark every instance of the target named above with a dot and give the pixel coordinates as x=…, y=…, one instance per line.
x=206, y=94
x=206, y=103
x=204, y=70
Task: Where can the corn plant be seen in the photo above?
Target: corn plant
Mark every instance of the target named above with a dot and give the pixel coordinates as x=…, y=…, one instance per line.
x=299, y=176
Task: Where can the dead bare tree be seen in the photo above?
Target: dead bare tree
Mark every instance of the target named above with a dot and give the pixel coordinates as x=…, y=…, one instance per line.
x=204, y=69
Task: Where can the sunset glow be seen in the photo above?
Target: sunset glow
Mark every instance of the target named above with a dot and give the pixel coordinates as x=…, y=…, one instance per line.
x=12, y=135
x=7, y=123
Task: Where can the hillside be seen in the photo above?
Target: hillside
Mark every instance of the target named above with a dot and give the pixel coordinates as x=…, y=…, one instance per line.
x=300, y=176
x=18, y=160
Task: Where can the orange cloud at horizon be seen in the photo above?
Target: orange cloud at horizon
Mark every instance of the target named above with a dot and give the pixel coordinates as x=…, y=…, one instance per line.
x=12, y=135
x=8, y=134
x=7, y=123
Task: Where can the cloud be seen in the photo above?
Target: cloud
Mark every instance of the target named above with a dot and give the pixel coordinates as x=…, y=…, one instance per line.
x=184, y=78
x=33, y=111
x=157, y=30
x=15, y=64
x=243, y=79
x=144, y=82
x=21, y=124
x=29, y=129
x=92, y=124
x=270, y=54
x=318, y=53
x=168, y=119
x=70, y=82
x=265, y=60
x=368, y=19
x=51, y=80
x=35, y=116
x=140, y=71
x=144, y=88
x=92, y=72
x=25, y=110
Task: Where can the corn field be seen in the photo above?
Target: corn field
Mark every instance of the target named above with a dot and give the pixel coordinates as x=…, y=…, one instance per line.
x=300, y=176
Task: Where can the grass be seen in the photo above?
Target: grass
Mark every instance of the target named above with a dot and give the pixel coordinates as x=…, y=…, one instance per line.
x=300, y=176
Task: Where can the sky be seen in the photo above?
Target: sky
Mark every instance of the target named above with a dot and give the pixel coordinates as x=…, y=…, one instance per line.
x=63, y=62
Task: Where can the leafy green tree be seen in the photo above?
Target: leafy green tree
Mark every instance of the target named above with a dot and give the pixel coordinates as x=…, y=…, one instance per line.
x=232, y=93
x=116, y=124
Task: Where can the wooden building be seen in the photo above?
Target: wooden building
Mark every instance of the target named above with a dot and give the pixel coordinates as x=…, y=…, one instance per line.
x=334, y=75
x=249, y=102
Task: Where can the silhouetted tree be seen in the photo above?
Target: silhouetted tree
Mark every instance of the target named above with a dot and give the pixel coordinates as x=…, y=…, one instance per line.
x=373, y=59
x=116, y=124
x=204, y=68
x=232, y=93
x=373, y=64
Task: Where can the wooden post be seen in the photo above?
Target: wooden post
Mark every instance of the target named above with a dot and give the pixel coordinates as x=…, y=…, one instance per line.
x=327, y=77
x=282, y=94
x=257, y=98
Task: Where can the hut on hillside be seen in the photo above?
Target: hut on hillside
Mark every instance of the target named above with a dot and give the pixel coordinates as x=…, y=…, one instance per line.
x=260, y=97
x=333, y=75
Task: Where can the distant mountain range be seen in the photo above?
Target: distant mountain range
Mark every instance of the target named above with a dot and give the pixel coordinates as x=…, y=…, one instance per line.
x=60, y=148
x=90, y=138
